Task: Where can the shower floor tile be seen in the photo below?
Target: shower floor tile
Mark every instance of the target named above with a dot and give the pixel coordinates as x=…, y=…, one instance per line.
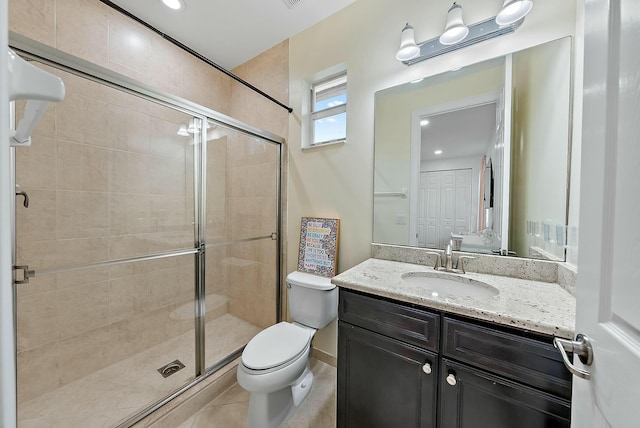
x=112, y=394
x=229, y=410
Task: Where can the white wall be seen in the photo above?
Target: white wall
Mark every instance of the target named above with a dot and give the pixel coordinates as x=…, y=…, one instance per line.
x=7, y=326
x=337, y=181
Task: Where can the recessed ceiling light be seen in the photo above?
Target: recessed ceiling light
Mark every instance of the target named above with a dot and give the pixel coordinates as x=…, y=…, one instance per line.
x=174, y=4
x=438, y=152
x=424, y=122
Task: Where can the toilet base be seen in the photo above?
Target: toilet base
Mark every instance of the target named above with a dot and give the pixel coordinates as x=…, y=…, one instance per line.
x=271, y=410
x=301, y=388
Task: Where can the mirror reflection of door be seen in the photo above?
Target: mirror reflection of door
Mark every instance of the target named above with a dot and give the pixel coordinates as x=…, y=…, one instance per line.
x=453, y=149
x=444, y=198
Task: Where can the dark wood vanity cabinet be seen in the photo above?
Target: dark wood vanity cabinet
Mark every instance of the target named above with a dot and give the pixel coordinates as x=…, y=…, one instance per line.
x=404, y=366
x=388, y=369
x=382, y=382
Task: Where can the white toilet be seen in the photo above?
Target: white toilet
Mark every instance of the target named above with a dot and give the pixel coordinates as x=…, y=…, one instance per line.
x=275, y=363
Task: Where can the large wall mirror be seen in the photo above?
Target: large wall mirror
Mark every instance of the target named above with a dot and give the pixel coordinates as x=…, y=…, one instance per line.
x=478, y=156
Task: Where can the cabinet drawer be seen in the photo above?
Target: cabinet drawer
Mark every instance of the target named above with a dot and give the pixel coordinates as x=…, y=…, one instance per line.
x=402, y=322
x=529, y=361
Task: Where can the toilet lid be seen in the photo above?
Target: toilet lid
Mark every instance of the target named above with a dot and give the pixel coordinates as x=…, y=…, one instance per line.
x=275, y=346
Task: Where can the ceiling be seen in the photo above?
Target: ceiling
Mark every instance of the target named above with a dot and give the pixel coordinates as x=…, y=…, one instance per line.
x=230, y=32
x=460, y=133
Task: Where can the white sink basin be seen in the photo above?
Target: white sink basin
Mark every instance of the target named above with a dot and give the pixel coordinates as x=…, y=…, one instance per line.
x=450, y=286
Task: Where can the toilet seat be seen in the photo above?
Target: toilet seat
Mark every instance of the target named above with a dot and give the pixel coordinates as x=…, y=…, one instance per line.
x=276, y=346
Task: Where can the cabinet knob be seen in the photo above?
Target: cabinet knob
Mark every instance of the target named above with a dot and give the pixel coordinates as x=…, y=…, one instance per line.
x=451, y=379
x=427, y=368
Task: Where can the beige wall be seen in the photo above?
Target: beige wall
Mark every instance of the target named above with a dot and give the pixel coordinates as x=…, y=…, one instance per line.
x=337, y=181
x=540, y=135
x=109, y=178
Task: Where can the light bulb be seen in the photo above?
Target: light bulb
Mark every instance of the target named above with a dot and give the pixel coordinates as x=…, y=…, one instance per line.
x=408, y=47
x=455, y=31
x=513, y=11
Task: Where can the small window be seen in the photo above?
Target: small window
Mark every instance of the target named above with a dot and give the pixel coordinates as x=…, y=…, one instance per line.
x=329, y=111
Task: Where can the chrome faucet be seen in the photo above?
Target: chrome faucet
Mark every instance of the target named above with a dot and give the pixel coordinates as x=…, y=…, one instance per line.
x=446, y=265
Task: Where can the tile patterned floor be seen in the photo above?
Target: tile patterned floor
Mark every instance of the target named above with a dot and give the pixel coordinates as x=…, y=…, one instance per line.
x=317, y=411
x=122, y=389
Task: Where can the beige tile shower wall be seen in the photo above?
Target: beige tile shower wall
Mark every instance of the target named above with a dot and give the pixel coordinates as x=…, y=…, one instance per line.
x=268, y=71
x=252, y=169
x=241, y=204
x=91, y=157
x=95, y=32
x=252, y=212
x=108, y=178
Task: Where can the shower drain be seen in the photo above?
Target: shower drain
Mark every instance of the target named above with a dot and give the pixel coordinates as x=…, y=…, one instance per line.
x=169, y=369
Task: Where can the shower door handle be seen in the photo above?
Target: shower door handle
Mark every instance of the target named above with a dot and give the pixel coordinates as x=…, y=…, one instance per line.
x=26, y=274
x=22, y=193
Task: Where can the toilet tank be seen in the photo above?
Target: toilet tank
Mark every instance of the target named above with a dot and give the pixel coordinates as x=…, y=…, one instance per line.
x=313, y=299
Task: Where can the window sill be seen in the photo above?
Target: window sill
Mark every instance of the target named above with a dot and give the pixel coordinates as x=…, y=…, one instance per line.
x=330, y=143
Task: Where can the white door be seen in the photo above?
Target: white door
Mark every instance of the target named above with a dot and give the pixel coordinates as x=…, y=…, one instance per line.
x=462, y=215
x=447, y=207
x=422, y=211
x=444, y=206
x=432, y=209
x=608, y=267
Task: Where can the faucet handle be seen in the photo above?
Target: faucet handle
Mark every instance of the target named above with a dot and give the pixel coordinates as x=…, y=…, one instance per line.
x=438, y=258
x=460, y=264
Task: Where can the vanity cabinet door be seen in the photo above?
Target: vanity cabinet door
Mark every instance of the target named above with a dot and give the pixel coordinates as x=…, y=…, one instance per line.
x=384, y=383
x=471, y=398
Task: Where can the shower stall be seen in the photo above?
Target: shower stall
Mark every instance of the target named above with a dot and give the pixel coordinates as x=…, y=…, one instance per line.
x=148, y=253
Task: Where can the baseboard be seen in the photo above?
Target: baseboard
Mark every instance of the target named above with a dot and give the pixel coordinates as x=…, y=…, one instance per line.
x=325, y=357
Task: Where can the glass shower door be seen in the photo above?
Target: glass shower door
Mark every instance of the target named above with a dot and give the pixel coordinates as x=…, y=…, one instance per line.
x=110, y=234
x=241, y=281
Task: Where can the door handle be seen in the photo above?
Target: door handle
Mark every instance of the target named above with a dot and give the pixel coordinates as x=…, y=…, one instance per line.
x=582, y=348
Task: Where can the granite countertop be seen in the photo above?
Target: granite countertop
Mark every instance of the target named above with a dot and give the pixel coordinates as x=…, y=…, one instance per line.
x=536, y=306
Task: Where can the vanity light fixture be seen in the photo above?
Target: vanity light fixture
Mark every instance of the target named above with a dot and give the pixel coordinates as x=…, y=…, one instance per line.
x=455, y=31
x=408, y=47
x=513, y=10
x=174, y=4
x=457, y=35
